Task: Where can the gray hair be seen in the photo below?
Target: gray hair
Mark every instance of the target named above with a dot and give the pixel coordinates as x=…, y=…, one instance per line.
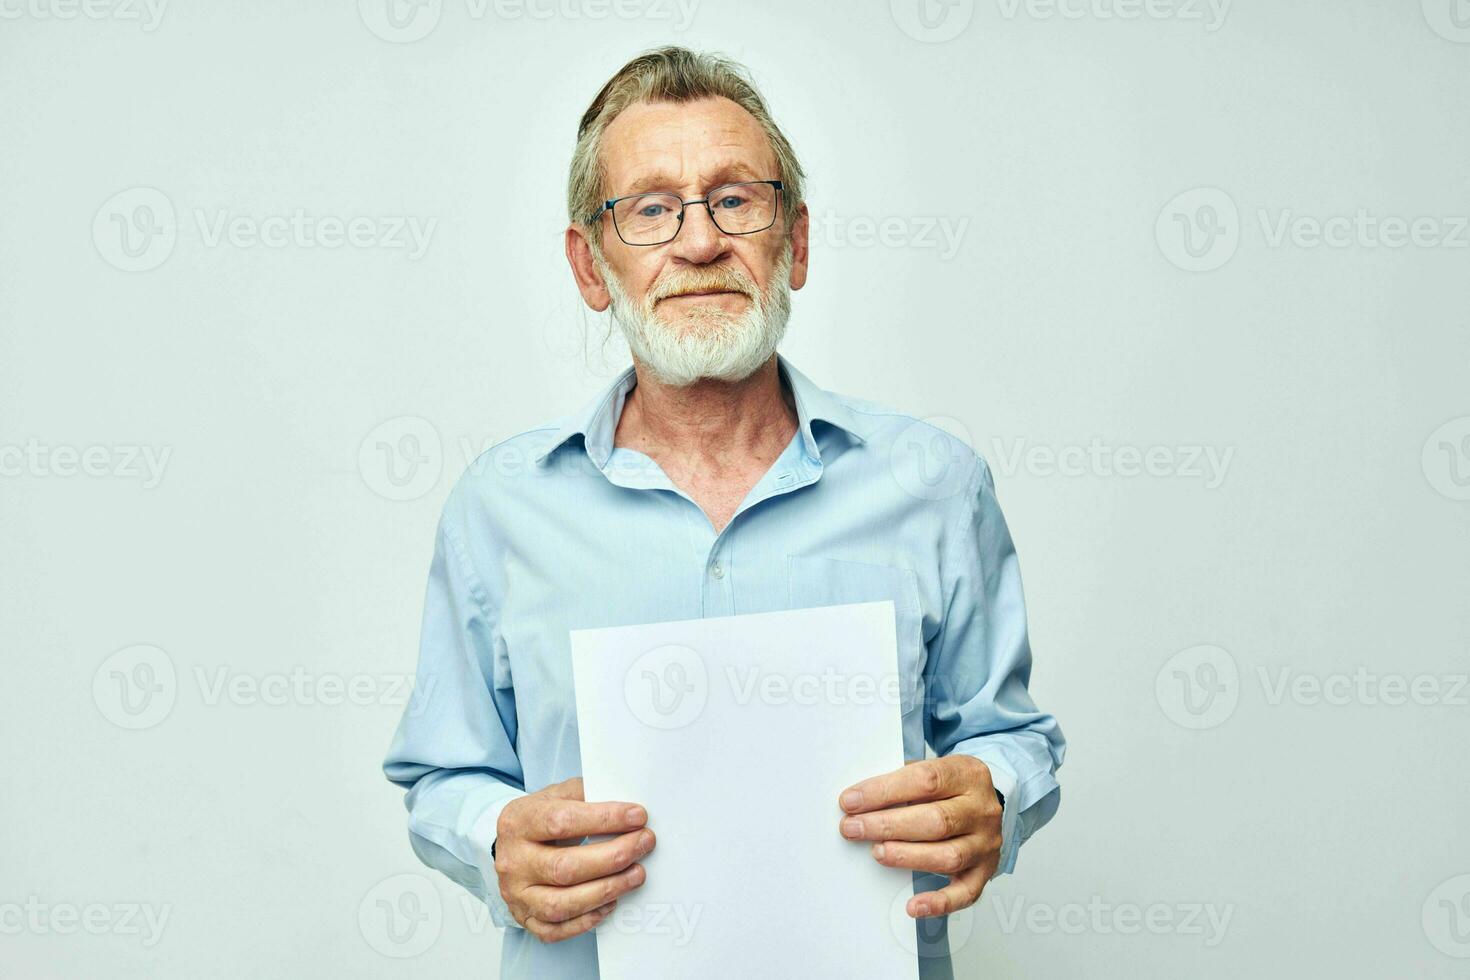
x=670, y=74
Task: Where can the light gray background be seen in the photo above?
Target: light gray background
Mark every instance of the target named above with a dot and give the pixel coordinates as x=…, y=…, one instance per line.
x=1066, y=317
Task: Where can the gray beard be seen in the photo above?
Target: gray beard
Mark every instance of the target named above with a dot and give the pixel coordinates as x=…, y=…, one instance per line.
x=705, y=343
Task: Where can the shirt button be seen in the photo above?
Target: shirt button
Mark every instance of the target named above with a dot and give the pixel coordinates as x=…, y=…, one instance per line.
x=717, y=571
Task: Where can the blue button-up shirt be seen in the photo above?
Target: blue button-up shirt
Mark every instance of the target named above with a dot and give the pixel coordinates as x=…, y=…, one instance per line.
x=556, y=529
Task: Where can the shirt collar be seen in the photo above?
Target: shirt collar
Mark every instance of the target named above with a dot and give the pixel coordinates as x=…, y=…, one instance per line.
x=597, y=421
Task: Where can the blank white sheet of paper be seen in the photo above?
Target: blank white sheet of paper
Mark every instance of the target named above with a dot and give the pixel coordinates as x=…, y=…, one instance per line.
x=738, y=733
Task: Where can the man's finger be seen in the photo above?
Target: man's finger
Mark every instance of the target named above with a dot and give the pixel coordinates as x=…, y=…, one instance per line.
x=567, y=789
x=948, y=857
x=572, y=865
x=551, y=904
x=928, y=779
x=939, y=820
x=557, y=819
x=555, y=932
x=961, y=892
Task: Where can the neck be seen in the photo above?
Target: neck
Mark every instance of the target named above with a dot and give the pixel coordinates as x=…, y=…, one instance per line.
x=709, y=420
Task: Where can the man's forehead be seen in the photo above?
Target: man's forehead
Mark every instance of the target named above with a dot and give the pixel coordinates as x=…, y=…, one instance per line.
x=671, y=145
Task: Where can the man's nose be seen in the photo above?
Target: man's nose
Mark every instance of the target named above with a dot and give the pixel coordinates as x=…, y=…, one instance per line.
x=700, y=240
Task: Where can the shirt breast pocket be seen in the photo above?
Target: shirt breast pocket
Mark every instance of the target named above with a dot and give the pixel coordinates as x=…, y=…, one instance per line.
x=817, y=581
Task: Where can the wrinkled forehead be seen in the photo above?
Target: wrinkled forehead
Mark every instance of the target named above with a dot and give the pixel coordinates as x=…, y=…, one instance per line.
x=687, y=147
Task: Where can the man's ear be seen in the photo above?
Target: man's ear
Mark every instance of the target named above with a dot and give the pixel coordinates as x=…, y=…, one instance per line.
x=584, y=269
x=799, y=246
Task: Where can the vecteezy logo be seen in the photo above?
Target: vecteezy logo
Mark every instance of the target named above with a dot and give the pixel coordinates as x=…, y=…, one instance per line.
x=401, y=916
x=136, y=687
x=1450, y=19
x=400, y=21
x=1446, y=459
x=926, y=937
x=401, y=459
x=1199, y=230
x=135, y=230
x=1198, y=687
x=932, y=21
x=667, y=687
x=932, y=458
x=1446, y=917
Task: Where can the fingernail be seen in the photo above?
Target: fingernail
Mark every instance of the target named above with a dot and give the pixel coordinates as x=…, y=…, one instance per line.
x=878, y=851
x=636, y=814
x=645, y=842
x=852, y=828
x=921, y=909
x=852, y=799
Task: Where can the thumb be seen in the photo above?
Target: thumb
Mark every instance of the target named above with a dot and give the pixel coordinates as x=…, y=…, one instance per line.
x=567, y=789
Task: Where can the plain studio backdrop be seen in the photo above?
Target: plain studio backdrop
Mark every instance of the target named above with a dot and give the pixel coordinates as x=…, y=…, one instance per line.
x=1192, y=277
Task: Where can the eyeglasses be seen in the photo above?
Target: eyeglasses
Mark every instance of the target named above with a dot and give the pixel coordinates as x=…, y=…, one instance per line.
x=655, y=218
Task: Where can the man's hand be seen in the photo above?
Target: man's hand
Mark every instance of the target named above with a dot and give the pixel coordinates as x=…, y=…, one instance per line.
x=952, y=826
x=555, y=886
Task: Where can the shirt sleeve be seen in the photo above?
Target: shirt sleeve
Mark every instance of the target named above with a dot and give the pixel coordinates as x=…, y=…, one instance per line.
x=454, y=749
x=977, y=699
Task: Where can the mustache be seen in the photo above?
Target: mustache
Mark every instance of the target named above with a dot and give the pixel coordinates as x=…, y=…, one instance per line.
x=701, y=280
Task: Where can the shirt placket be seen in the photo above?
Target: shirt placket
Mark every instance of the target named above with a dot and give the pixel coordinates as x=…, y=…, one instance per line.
x=716, y=554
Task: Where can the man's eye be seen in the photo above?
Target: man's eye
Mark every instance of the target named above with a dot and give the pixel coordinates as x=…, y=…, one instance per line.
x=652, y=211
x=730, y=201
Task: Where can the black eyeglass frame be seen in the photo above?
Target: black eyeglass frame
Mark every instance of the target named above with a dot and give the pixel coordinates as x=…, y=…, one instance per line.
x=608, y=206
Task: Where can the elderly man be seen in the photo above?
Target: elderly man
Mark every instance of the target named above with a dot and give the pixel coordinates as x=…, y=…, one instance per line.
x=711, y=478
